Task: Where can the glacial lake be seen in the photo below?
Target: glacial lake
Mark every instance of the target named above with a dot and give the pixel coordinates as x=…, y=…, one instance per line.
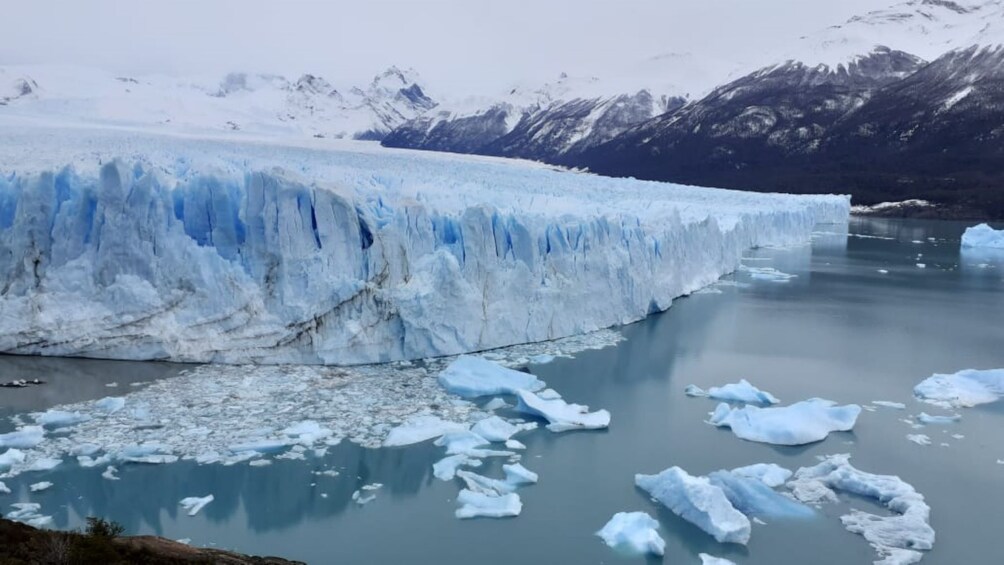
x=840, y=330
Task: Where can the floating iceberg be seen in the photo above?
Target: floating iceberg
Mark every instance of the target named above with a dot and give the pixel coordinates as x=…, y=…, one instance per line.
x=562, y=416
x=800, y=423
x=194, y=504
x=59, y=418
x=919, y=439
x=446, y=468
x=963, y=389
x=40, y=486
x=742, y=391
x=3, y=488
x=770, y=474
x=699, y=502
x=121, y=244
x=110, y=473
x=634, y=532
x=897, y=538
x=889, y=404
x=471, y=377
x=476, y=504
x=495, y=429
x=983, y=235
x=29, y=513
x=755, y=499
x=518, y=475
x=927, y=419
x=10, y=458
x=419, y=429
x=110, y=404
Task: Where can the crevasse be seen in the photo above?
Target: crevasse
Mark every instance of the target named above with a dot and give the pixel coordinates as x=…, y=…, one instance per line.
x=275, y=255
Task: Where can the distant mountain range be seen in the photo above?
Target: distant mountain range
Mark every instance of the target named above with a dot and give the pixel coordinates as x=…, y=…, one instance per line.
x=904, y=102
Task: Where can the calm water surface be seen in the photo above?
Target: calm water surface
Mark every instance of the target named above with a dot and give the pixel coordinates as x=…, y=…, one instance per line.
x=841, y=330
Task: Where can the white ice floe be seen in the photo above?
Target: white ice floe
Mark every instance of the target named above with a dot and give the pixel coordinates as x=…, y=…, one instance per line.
x=29, y=513
x=229, y=250
x=699, y=502
x=767, y=274
x=963, y=389
x=446, y=468
x=194, y=504
x=485, y=485
x=470, y=377
x=983, y=235
x=889, y=404
x=27, y=436
x=897, y=538
x=800, y=423
x=3, y=488
x=518, y=475
x=10, y=458
x=770, y=474
x=496, y=404
x=633, y=532
x=707, y=559
x=419, y=429
x=919, y=439
x=476, y=504
x=43, y=464
x=742, y=391
x=926, y=419
x=40, y=486
x=560, y=415
x=110, y=404
x=495, y=429
x=110, y=473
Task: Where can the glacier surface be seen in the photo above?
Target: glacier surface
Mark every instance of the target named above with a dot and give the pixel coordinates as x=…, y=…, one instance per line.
x=130, y=245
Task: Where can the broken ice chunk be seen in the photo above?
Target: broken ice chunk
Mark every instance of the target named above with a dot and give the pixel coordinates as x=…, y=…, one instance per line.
x=59, y=418
x=925, y=418
x=39, y=487
x=476, y=504
x=561, y=415
x=889, y=404
x=769, y=474
x=110, y=473
x=919, y=439
x=28, y=513
x=446, y=468
x=471, y=377
x=699, y=502
x=110, y=404
x=754, y=498
x=797, y=424
x=483, y=484
x=420, y=428
x=3, y=488
x=193, y=504
x=712, y=560
x=518, y=475
x=633, y=532
x=743, y=392
x=26, y=437
x=11, y=457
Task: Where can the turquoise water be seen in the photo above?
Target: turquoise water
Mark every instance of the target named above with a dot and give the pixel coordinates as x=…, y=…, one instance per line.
x=840, y=330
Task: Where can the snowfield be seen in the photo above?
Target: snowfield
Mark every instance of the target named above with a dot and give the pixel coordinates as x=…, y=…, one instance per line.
x=122, y=244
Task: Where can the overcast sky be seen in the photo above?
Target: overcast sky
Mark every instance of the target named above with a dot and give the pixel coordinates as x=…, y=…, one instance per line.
x=473, y=45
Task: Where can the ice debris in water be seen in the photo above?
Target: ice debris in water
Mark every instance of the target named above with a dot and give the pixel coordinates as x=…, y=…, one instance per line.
x=797, y=424
x=919, y=439
x=898, y=538
x=963, y=389
x=707, y=559
x=633, y=532
x=59, y=418
x=366, y=493
x=889, y=404
x=742, y=392
x=193, y=504
x=40, y=486
x=470, y=377
x=420, y=428
x=518, y=475
x=476, y=504
x=495, y=429
x=560, y=415
x=27, y=436
x=29, y=513
x=927, y=419
x=446, y=468
x=766, y=274
x=10, y=458
x=983, y=235
x=699, y=502
x=3, y=488
x=110, y=404
x=770, y=474
x=755, y=499
x=110, y=473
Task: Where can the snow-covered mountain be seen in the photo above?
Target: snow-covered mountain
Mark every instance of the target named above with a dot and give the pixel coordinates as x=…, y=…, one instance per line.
x=270, y=105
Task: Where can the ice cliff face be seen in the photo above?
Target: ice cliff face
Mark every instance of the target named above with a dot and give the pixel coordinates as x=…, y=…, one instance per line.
x=276, y=254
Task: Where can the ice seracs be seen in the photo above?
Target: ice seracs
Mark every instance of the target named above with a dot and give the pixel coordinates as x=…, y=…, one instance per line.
x=797, y=424
x=192, y=249
x=963, y=389
x=898, y=538
x=633, y=532
x=699, y=502
x=983, y=236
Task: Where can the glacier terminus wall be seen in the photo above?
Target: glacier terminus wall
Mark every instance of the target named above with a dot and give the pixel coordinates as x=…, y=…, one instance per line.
x=125, y=245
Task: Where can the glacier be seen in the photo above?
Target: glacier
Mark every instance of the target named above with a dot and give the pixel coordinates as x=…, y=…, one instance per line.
x=124, y=244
